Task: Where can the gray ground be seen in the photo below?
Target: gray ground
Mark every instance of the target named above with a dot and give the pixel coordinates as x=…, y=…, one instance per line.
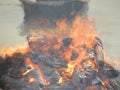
x=105, y=12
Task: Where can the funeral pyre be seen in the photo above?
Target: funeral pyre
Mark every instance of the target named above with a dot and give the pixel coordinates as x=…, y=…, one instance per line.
x=70, y=57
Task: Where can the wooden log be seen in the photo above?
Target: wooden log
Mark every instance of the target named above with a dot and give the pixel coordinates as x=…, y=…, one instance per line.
x=34, y=74
x=50, y=74
x=107, y=72
x=82, y=79
x=51, y=61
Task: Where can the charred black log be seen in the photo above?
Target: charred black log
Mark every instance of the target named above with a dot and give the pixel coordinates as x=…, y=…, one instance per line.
x=67, y=41
x=50, y=74
x=13, y=65
x=107, y=72
x=52, y=61
x=83, y=79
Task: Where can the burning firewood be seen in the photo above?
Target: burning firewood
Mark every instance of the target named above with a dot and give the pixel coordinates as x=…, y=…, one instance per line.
x=34, y=77
x=44, y=72
x=68, y=57
x=85, y=78
x=49, y=60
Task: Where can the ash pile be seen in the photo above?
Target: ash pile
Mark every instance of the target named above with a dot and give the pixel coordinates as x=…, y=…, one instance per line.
x=68, y=57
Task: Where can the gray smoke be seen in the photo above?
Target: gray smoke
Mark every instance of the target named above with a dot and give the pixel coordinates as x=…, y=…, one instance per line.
x=45, y=13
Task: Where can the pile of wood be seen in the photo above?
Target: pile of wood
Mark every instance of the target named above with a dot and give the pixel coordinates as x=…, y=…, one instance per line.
x=13, y=69
x=47, y=61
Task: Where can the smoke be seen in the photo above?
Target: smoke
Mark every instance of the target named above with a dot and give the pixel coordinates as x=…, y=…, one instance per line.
x=44, y=13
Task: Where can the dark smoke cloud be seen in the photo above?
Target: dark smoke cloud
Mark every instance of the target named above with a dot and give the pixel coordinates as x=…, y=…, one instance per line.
x=44, y=13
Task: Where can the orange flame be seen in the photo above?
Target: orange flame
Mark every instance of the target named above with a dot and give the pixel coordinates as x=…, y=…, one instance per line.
x=105, y=82
x=31, y=80
x=9, y=51
x=29, y=63
x=83, y=37
x=34, y=66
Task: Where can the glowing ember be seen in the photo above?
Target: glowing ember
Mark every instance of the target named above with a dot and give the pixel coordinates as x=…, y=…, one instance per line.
x=9, y=51
x=31, y=80
x=32, y=67
x=105, y=82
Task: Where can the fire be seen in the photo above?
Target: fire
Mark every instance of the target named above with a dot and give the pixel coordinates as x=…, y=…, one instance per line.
x=32, y=67
x=29, y=63
x=105, y=82
x=81, y=37
x=74, y=43
x=9, y=51
x=31, y=80
x=62, y=24
x=43, y=78
x=60, y=80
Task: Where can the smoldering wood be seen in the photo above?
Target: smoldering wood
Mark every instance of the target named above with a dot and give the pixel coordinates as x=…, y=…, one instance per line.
x=91, y=53
x=17, y=65
x=62, y=86
x=80, y=79
x=35, y=74
x=52, y=61
x=107, y=72
x=83, y=79
x=94, y=87
x=11, y=64
x=40, y=45
x=85, y=65
x=17, y=84
x=50, y=74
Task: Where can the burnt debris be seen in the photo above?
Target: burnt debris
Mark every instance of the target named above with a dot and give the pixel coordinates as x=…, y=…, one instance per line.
x=53, y=64
x=14, y=75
